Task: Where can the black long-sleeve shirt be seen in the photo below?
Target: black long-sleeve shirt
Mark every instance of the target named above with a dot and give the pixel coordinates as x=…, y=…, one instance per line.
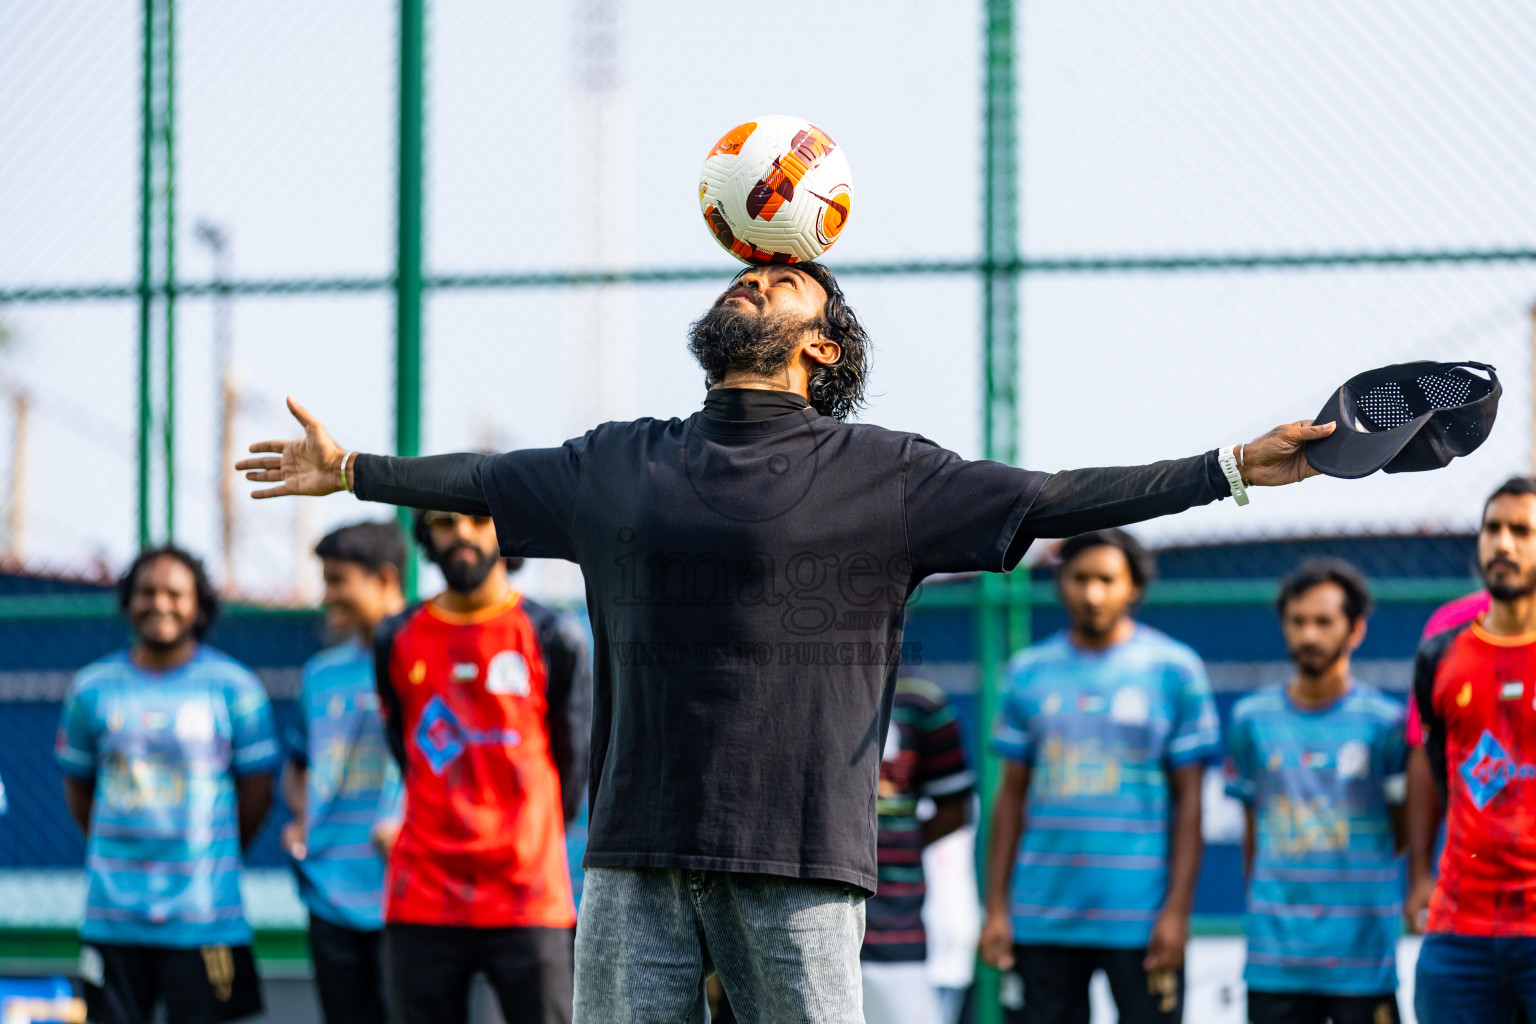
x=1071, y=502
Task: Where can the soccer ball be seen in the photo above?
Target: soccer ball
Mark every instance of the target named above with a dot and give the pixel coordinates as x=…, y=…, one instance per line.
x=776, y=190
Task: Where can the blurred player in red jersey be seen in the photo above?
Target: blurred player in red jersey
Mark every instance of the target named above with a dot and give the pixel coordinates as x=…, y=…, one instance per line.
x=1475, y=689
x=487, y=699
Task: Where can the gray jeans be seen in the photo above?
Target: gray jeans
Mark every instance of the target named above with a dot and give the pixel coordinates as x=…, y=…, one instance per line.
x=787, y=950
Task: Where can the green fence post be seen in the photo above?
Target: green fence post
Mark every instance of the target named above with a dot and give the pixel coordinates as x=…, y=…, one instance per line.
x=146, y=199
x=1000, y=344
x=168, y=198
x=156, y=273
x=408, y=255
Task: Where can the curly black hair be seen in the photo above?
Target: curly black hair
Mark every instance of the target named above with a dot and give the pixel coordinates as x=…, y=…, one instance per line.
x=838, y=390
x=207, y=597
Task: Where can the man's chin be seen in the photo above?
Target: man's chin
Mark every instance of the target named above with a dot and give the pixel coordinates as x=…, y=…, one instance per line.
x=1510, y=591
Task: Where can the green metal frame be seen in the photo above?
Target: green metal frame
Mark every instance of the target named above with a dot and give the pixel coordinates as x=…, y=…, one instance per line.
x=408, y=254
x=157, y=259
x=1000, y=411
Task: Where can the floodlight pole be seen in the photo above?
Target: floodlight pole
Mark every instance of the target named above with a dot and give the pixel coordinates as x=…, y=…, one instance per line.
x=1000, y=428
x=408, y=254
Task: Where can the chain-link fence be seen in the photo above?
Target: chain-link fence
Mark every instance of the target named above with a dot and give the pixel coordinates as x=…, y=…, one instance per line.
x=1222, y=212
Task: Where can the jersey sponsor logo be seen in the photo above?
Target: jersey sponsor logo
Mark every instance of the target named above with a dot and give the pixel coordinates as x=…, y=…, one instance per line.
x=442, y=738
x=194, y=721
x=1354, y=760
x=1489, y=768
x=1130, y=706
x=1512, y=690
x=507, y=675
x=465, y=672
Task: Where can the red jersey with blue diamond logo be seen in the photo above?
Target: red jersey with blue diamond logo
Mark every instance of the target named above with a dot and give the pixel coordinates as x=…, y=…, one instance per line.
x=1476, y=693
x=482, y=844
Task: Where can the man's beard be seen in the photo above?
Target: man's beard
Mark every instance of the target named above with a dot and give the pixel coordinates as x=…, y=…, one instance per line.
x=465, y=576
x=1508, y=590
x=727, y=339
x=1316, y=660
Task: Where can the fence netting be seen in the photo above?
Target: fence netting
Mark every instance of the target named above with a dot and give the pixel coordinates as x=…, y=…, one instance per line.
x=1224, y=212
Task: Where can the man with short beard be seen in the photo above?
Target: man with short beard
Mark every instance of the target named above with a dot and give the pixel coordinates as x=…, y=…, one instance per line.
x=747, y=571
x=168, y=751
x=1475, y=686
x=487, y=703
x=1318, y=763
x=1105, y=732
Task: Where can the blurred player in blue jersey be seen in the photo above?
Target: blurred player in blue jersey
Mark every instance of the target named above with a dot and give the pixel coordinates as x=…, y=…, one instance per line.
x=168, y=752
x=342, y=786
x=1318, y=763
x=1105, y=732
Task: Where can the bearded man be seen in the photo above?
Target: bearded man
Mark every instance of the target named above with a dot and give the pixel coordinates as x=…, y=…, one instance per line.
x=747, y=573
x=487, y=706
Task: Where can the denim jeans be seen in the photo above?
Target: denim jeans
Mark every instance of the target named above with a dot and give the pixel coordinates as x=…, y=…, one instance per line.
x=787, y=950
x=1465, y=979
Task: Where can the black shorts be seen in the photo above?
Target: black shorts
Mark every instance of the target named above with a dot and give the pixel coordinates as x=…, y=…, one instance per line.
x=1302, y=1008
x=207, y=985
x=1056, y=986
x=349, y=972
x=431, y=967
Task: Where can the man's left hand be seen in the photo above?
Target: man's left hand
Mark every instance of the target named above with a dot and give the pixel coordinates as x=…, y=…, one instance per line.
x=1279, y=457
x=1165, y=950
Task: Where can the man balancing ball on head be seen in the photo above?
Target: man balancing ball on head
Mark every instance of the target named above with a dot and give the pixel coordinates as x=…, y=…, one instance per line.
x=747, y=570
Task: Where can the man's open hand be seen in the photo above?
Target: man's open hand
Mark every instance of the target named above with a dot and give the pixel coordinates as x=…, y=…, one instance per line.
x=1279, y=456
x=310, y=465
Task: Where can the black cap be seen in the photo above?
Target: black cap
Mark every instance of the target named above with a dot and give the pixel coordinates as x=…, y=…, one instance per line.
x=1406, y=418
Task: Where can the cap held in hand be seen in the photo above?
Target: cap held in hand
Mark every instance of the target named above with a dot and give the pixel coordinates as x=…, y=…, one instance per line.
x=1406, y=418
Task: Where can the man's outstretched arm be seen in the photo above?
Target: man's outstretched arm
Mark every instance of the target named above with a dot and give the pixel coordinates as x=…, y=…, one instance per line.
x=314, y=465
x=1078, y=500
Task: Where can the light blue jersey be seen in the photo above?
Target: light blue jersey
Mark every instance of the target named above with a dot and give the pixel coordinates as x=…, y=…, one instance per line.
x=1326, y=896
x=164, y=748
x=1100, y=730
x=353, y=784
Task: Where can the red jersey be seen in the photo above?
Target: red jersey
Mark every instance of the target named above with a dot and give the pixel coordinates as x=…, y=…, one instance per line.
x=1476, y=694
x=1448, y=616
x=466, y=698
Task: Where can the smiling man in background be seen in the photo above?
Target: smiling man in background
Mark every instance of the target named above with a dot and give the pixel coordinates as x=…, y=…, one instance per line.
x=167, y=750
x=342, y=787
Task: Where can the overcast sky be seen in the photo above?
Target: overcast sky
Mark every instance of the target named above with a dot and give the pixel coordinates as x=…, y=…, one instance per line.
x=1170, y=128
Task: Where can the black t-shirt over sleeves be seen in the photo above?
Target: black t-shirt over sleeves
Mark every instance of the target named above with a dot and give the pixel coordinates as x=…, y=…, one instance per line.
x=963, y=516
x=532, y=496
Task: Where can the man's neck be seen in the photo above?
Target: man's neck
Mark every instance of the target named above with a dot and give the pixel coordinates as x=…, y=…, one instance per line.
x=163, y=659
x=793, y=379
x=1321, y=690
x=369, y=630
x=1119, y=633
x=1511, y=618
x=493, y=591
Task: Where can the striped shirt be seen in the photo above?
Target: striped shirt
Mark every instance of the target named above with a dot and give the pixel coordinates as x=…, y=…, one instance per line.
x=1326, y=895
x=923, y=757
x=353, y=784
x=164, y=748
x=1101, y=731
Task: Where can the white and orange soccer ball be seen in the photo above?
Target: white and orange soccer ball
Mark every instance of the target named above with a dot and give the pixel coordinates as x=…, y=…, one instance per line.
x=776, y=190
